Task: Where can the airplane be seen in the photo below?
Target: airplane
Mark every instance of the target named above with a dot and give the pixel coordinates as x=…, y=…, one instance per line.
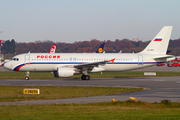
x=69, y=64
x=53, y=49
x=100, y=48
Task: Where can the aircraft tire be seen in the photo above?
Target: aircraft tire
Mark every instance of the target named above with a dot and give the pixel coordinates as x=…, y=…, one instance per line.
x=83, y=77
x=26, y=78
x=87, y=77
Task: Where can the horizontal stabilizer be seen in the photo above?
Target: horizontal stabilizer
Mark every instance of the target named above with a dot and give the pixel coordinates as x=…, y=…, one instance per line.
x=163, y=57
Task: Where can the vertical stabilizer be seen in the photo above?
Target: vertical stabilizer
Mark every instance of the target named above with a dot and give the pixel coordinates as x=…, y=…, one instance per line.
x=53, y=49
x=100, y=48
x=160, y=43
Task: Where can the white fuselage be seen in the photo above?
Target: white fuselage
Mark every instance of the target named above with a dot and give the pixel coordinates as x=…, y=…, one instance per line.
x=52, y=61
x=69, y=64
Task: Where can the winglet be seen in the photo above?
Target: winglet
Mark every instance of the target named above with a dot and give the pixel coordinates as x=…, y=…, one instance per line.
x=112, y=60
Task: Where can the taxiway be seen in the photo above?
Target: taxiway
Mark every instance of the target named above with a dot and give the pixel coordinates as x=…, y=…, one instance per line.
x=156, y=89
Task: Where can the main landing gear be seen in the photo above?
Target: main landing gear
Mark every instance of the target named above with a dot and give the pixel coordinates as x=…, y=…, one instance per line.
x=85, y=77
x=27, y=75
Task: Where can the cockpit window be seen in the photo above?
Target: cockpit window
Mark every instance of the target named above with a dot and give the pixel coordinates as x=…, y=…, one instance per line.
x=15, y=59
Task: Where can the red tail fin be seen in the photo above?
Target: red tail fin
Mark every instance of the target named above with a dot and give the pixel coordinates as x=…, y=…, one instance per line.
x=53, y=49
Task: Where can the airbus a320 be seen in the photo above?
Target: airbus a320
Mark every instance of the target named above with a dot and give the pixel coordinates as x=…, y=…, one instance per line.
x=69, y=64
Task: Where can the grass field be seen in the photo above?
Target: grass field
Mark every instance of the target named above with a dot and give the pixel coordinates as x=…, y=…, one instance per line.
x=15, y=93
x=128, y=110
x=49, y=75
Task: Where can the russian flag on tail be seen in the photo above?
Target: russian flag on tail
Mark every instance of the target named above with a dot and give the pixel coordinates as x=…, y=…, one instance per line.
x=158, y=39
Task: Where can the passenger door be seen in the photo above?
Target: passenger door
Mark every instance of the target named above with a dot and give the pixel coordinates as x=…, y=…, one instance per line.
x=27, y=59
x=140, y=59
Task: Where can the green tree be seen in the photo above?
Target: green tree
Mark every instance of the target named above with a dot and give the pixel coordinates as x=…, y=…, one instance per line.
x=9, y=47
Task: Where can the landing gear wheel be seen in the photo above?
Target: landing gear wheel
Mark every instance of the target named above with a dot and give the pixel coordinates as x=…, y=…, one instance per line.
x=26, y=78
x=85, y=77
x=82, y=77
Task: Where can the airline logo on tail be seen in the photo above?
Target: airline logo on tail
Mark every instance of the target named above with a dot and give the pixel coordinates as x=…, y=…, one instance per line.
x=100, y=48
x=158, y=39
x=53, y=48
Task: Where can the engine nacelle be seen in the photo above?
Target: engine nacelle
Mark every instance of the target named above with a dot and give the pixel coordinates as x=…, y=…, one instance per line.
x=64, y=72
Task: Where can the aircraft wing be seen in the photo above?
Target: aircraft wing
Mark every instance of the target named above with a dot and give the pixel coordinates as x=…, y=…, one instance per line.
x=91, y=64
x=94, y=64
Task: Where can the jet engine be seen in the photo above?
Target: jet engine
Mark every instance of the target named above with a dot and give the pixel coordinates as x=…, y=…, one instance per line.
x=64, y=72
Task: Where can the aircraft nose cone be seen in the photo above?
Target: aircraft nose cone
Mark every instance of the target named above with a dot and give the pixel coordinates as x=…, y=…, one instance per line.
x=8, y=66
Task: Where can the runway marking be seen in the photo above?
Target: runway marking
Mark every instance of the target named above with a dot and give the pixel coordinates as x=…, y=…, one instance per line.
x=159, y=80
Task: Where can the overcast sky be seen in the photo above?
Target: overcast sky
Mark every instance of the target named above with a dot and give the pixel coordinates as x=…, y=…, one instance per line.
x=80, y=20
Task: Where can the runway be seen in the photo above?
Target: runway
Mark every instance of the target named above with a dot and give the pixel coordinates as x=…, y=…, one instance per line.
x=157, y=89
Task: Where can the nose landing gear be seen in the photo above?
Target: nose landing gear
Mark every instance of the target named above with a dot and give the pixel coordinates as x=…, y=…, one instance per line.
x=27, y=75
